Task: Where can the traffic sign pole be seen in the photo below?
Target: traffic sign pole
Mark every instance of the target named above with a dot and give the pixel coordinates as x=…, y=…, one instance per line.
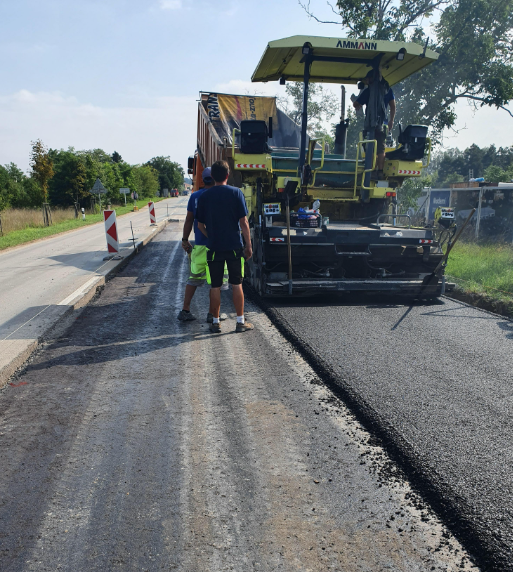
x=125, y=191
x=98, y=189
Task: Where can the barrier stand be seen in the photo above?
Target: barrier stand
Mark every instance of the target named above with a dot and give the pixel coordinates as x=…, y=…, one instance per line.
x=111, y=234
x=153, y=218
x=133, y=239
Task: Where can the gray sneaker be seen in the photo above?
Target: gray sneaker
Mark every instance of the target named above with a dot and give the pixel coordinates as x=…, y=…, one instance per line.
x=184, y=316
x=210, y=317
x=244, y=327
x=215, y=328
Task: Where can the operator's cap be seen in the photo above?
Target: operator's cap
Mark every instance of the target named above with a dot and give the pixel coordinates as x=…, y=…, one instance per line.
x=207, y=176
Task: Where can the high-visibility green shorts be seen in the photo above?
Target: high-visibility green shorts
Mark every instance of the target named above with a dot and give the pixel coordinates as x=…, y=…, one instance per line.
x=199, y=273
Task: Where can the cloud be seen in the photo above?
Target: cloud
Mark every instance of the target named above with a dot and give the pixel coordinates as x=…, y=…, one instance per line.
x=157, y=126
x=170, y=4
x=243, y=87
x=485, y=126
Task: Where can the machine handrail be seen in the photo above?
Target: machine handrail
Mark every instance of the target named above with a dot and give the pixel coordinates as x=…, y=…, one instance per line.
x=311, y=146
x=374, y=156
x=395, y=216
x=235, y=130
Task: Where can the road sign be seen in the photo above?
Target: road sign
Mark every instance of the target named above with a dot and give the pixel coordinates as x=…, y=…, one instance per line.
x=111, y=231
x=153, y=218
x=98, y=188
x=124, y=191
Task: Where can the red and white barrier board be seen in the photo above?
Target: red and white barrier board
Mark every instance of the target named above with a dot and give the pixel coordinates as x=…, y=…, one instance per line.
x=111, y=231
x=151, y=208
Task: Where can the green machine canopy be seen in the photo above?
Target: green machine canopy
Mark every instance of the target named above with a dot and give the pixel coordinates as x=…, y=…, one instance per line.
x=339, y=60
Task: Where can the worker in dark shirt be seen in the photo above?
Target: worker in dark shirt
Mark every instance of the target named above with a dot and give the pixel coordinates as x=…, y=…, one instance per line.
x=197, y=253
x=222, y=217
x=380, y=133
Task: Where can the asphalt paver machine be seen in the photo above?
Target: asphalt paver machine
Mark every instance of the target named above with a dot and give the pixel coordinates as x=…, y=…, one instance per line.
x=319, y=223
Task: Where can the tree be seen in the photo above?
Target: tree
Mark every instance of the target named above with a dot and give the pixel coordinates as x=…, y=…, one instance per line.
x=5, y=195
x=146, y=180
x=495, y=174
x=322, y=106
x=411, y=190
x=472, y=37
x=454, y=165
x=68, y=184
x=116, y=157
x=170, y=173
x=353, y=132
x=42, y=166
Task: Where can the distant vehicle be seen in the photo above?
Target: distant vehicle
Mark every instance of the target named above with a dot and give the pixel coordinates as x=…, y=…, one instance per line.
x=185, y=193
x=174, y=193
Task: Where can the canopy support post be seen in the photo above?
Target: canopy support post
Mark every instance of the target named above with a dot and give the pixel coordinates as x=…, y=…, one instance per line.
x=304, y=119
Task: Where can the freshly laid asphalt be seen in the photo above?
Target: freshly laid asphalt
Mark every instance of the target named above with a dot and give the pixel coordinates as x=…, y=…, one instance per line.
x=436, y=382
x=134, y=442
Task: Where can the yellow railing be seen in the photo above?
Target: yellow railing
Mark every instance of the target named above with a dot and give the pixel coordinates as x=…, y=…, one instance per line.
x=311, y=147
x=374, y=155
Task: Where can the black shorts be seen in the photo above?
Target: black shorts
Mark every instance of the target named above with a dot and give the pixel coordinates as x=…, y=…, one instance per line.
x=234, y=262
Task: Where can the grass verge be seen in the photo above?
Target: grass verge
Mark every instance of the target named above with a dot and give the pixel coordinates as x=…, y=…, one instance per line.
x=29, y=234
x=484, y=275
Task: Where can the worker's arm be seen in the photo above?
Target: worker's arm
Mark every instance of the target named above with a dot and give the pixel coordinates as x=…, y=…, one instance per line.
x=203, y=228
x=244, y=228
x=187, y=228
x=357, y=105
x=392, y=115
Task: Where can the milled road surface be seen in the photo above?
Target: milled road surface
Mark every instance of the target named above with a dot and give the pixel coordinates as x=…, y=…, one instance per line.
x=438, y=381
x=134, y=442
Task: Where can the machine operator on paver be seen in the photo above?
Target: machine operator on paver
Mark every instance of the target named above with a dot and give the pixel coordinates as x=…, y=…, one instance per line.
x=318, y=220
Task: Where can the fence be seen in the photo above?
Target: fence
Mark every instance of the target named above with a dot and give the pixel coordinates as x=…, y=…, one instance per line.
x=492, y=221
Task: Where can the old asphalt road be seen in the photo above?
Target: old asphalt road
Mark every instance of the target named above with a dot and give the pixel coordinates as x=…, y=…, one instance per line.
x=134, y=442
x=41, y=274
x=437, y=382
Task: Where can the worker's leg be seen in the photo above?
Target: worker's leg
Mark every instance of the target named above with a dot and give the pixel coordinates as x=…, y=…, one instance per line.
x=215, y=301
x=238, y=299
x=197, y=277
x=189, y=293
x=236, y=273
x=235, y=266
x=380, y=139
x=223, y=287
x=216, y=271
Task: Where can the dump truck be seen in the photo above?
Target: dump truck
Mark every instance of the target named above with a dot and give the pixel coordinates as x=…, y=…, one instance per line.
x=319, y=223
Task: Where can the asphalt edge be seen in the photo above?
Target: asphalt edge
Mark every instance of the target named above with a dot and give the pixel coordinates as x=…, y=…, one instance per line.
x=482, y=302
x=427, y=484
x=82, y=299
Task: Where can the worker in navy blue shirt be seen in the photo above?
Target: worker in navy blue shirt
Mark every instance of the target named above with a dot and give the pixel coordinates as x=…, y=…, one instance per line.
x=198, y=274
x=222, y=218
x=380, y=134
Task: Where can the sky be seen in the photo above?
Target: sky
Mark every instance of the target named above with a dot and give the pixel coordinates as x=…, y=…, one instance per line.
x=125, y=75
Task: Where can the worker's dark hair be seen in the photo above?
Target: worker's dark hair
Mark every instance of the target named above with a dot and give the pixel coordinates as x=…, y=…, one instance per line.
x=220, y=171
